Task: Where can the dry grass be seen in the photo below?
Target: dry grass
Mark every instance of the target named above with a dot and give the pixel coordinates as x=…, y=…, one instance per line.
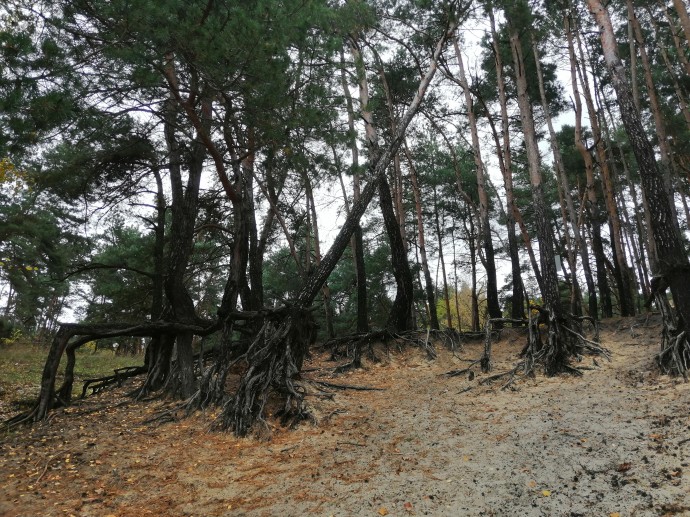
x=21, y=366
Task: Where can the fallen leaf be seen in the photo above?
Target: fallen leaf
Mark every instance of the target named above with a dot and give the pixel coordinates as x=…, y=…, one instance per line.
x=614, y=514
x=546, y=493
x=408, y=506
x=532, y=484
x=624, y=467
x=383, y=511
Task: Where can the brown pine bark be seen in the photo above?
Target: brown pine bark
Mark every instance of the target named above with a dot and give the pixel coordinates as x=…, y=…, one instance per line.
x=555, y=354
x=674, y=267
x=485, y=239
x=684, y=18
x=428, y=283
x=655, y=107
x=621, y=269
x=568, y=213
x=505, y=162
x=592, y=202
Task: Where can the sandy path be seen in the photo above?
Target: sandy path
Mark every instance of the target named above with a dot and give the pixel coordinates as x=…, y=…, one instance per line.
x=613, y=441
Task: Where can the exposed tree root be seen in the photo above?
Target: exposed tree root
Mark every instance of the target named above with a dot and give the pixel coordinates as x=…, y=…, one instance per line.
x=274, y=360
x=345, y=386
x=463, y=371
x=674, y=357
x=563, y=340
x=551, y=347
x=354, y=346
x=492, y=330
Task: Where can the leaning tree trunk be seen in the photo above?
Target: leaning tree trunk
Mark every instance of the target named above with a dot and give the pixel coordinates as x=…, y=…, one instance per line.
x=666, y=163
x=275, y=357
x=682, y=11
x=401, y=317
x=621, y=270
x=674, y=267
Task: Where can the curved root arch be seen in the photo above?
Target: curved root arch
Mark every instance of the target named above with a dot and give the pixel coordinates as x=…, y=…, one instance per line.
x=69, y=337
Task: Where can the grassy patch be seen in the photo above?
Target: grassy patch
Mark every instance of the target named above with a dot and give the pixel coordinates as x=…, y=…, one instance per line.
x=21, y=367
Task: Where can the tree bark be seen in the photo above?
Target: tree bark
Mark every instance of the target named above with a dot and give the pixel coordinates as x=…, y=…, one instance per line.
x=621, y=270
x=484, y=223
x=673, y=260
x=428, y=284
x=439, y=236
x=665, y=164
x=505, y=162
x=357, y=240
x=592, y=202
x=400, y=318
x=326, y=291
x=568, y=213
x=558, y=349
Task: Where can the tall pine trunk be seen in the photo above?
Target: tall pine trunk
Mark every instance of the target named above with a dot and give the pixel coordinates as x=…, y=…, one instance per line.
x=556, y=352
x=621, y=271
x=484, y=223
x=674, y=267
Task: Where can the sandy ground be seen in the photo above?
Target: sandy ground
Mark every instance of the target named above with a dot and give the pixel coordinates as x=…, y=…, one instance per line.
x=615, y=442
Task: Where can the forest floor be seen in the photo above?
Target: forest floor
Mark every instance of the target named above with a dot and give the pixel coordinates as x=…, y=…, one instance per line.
x=614, y=442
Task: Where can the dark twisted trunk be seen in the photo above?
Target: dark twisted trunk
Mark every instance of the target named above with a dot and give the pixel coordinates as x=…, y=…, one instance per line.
x=157, y=298
x=673, y=265
x=400, y=317
x=275, y=357
x=180, y=307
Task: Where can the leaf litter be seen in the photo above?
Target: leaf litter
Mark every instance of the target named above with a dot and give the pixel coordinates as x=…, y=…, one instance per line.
x=613, y=442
